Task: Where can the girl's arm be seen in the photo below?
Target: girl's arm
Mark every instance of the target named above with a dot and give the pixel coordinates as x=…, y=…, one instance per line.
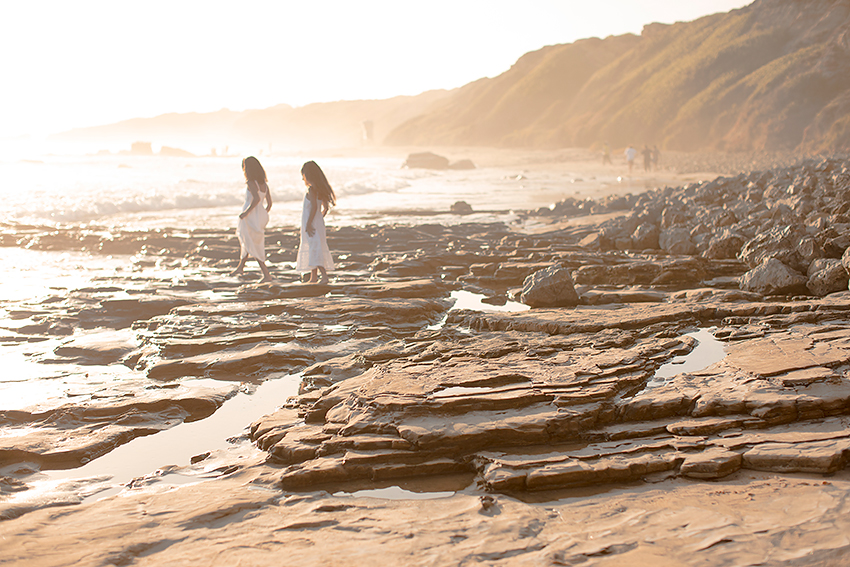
x=314, y=206
x=255, y=199
x=268, y=198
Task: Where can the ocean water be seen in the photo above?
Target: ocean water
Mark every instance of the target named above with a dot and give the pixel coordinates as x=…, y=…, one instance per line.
x=143, y=192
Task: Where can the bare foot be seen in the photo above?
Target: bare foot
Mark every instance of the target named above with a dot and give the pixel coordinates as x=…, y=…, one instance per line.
x=237, y=272
x=267, y=279
x=311, y=281
x=324, y=280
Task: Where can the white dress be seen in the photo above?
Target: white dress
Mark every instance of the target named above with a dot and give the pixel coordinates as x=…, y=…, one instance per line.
x=313, y=250
x=251, y=230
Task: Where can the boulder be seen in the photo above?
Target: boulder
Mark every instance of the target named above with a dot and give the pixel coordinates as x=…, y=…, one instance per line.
x=772, y=277
x=549, y=287
x=834, y=247
x=461, y=208
x=809, y=250
x=593, y=241
x=676, y=241
x=779, y=242
x=645, y=237
x=725, y=246
x=827, y=276
x=462, y=164
x=426, y=160
x=630, y=273
x=845, y=260
x=623, y=243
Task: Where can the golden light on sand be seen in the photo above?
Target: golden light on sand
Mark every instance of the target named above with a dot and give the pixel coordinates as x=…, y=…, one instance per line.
x=588, y=308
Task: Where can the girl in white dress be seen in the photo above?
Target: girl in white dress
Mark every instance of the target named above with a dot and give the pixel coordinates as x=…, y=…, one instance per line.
x=250, y=230
x=313, y=253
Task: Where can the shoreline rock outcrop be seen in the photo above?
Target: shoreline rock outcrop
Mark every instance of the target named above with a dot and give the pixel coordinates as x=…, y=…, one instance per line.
x=623, y=365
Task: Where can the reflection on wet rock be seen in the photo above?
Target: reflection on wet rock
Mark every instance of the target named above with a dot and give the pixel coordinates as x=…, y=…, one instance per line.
x=416, y=360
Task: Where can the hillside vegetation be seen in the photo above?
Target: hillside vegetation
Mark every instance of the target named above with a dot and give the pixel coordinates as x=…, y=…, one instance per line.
x=770, y=76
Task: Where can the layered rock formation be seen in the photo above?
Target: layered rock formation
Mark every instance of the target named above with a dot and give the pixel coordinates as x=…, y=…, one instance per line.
x=398, y=384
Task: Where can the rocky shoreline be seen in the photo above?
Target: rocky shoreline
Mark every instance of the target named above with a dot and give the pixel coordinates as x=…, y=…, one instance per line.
x=399, y=385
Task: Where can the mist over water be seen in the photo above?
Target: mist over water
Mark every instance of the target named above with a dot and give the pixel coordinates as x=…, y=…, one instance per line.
x=144, y=192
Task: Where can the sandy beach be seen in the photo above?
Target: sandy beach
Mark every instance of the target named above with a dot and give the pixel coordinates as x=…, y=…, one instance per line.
x=424, y=407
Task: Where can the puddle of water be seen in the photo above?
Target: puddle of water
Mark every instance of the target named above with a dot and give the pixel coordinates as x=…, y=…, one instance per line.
x=707, y=352
x=28, y=383
x=176, y=446
x=396, y=493
x=473, y=301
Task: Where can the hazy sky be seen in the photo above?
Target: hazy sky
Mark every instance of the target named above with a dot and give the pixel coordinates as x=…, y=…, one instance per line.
x=74, y=63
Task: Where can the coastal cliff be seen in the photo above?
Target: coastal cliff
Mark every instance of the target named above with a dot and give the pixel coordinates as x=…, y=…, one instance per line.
x=770, y=76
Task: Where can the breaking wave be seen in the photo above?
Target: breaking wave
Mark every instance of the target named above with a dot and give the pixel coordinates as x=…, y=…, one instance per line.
x=90, y=191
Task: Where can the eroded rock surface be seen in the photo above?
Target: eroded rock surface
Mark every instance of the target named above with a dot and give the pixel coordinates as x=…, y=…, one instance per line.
x=577, y=389
x=398, y=383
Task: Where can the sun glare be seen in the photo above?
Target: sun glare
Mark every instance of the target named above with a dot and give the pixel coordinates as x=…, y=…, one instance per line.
x=97, y=62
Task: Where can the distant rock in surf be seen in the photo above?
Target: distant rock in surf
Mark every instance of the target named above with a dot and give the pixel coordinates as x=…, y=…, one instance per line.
x=429, y=160
x=426, y=160
x=462, y=164
x=175, y=152
x=461, y=208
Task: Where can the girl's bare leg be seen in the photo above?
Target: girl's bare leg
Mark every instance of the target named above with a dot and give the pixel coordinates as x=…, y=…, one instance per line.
x=324, y=278
x=241, y=265
x=313, y=278
x=267, y=277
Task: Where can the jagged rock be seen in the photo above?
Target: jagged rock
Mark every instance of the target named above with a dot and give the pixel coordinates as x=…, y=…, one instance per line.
x=645, y=236
x=513, y=273
x=772, y=277
x=780, y=243
x=593, y=241
x=725, y=246
x=676, y=240
x=681, y=271
x=845, y=260
x=631, y=273
x=827, y=276
x=550, y=287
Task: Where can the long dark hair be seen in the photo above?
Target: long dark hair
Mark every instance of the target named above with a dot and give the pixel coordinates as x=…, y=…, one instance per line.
x=253, y=170
x=317, y=180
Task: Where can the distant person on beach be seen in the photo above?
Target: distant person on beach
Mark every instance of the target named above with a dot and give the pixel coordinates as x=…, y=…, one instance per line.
x=647, y=158
x=250, y=230
x=656, y=157
x=606, y=154
x=630, y=154
x=313, y=252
